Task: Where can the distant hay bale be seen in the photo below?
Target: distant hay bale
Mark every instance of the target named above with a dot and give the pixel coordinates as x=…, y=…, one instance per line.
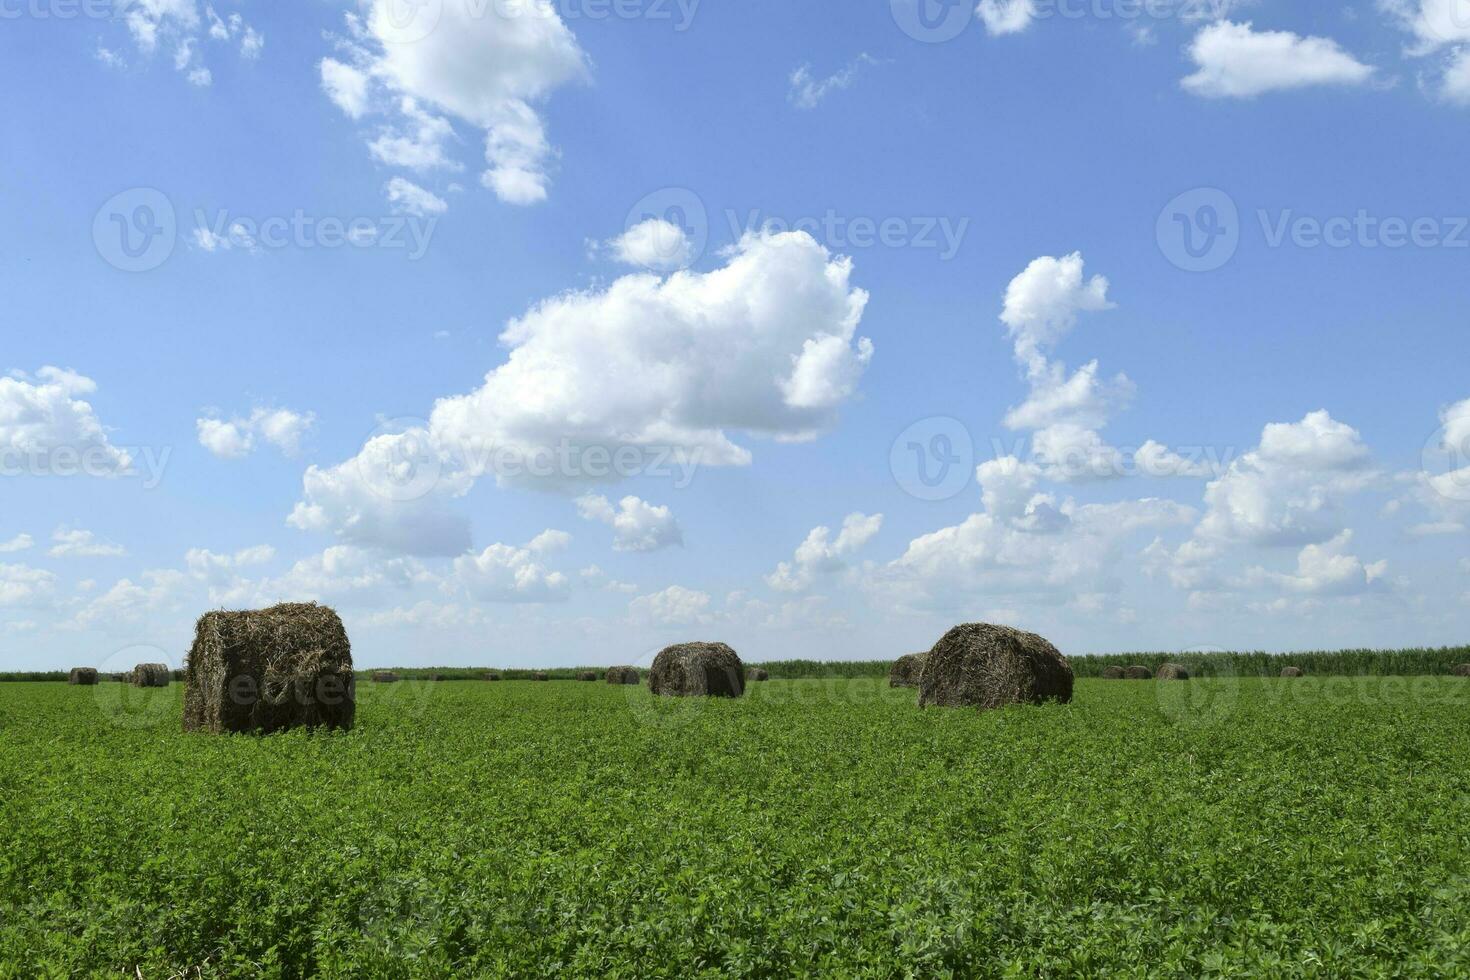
x=541, y=675
x=906, y=669
x=1112, y=673
x=623, y=675
x=757, y=674
x=269, y=670
x=1138, y=673
x=586, y=675
x=150, y=675
x=493, y=676
x=384, y=677
x=83, y=676
x=1172, y=672
x=984, y=666
x=1292, y=672
x=697, y=670
x=1461, y=670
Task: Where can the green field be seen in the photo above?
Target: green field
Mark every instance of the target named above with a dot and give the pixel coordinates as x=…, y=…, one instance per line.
x=1317, y=827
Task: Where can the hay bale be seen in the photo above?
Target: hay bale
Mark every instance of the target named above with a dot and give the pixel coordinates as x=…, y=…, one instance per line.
x=493, y=676
x=1292, y=672
x=586, y=675
x=1172, y=672
x=623, y=675
x=384, y=677
x=541, y=675
x=697, y=670
x=906, y=669
x=150, y=675
x=1112, y=673
x=985, y=666
x=1138, y=673
x=1461, y=670
x=757, y=674
x=268, y=670
x=83, y=676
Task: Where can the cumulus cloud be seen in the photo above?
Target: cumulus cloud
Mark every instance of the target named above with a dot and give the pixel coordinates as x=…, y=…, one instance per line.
x=637, y=525
x=21, y=585
x=674, y=606
x=406, y=197
x=1002, y=17
x=822, y=554
x=486, y=66
x=21, y=542
x=1434, y=23
x=1236, y=61
x=1327, y=569
x=654, y=244
x=67, y=542
x=505, y=573
x=1442, y=485
x=45, y=423
x=649, y=372
x=807, y=91
x=1455, y=85
x=236, y=437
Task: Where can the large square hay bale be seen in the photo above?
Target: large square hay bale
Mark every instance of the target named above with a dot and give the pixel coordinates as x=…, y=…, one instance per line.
x=586, y=675
x=1292, y=672
x=540, y=675
x=757, y=674
x=1138, y=672
x=697, y=670
x=288, y=666
x=622, y=675
x=1112, y=673
x=906, y=670
x=84, y=676
x=150, y=675
x=1173, y=672
x=1461, y=670
x=984, y=666
x=384, y=677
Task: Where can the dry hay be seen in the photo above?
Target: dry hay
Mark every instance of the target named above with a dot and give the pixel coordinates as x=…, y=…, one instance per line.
x=757, y=674
x=541, y=675
x=1112, y=673
x=151, y=675
x=696, y=670
x=268, y=670
x=83, y=676
x=985, y=666
x=906, y=669
x=1138, y=673
x=623, y=675
x=493, y=676
x=1172, y=672
x=1461, y=670
x=586, y=675
x=384, y=677
x=1292, y=672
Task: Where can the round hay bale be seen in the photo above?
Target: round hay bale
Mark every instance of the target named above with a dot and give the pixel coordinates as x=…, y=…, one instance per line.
x=1138, y=673
x=757, y=674
x=1461, y=670
x=269, y=670
x=83, y=676
x=985, y=666
x=1172, y=672
x=151, y=675
x=1292, y=672
x=493, y=676
x=541, y=675
x=906, y=669
x=586, y=675
x=1112, y=673
x=384, y=677
x=697, y=670
x=623, y=675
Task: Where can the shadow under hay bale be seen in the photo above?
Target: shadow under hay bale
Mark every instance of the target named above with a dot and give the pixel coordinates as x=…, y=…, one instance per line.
x=757, y=674
x=1112, y=673
x=697, y=670
x=1172, y=672
x=1461, y=670
x=268, y=670
x=984, y=666
x=1292, y=672
x=623, y=675
x=384, y=677
x=906, y=670
x=150, y=675
x=1138, y=673
x=83, y=676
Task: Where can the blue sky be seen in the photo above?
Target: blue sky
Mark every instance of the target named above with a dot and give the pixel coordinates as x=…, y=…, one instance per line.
x=381, y=258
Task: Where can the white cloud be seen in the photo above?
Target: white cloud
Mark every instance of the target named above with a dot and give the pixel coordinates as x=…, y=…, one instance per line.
x=1455, y=85
x=1043, y=301
x=235, y=437
x=1434, y=23
x=1235, y=61
x=653, y=244
x=236, y=236
x=1327, y=569
x=21, y=585
x=178, y=24
x=21, y=542
x=637, y=525
x=652, y=371
x=406, y=197
x=76, y=543
x=674, y=606
x=820, y=554
x=1006, y=16
x=504, y=573
x=807, y=92
x=483, y=64
x=420, y=142
x=128, y=603
x=44, y=422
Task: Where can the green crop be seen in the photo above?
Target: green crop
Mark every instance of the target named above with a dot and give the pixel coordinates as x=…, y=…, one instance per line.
x=1227, y=826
